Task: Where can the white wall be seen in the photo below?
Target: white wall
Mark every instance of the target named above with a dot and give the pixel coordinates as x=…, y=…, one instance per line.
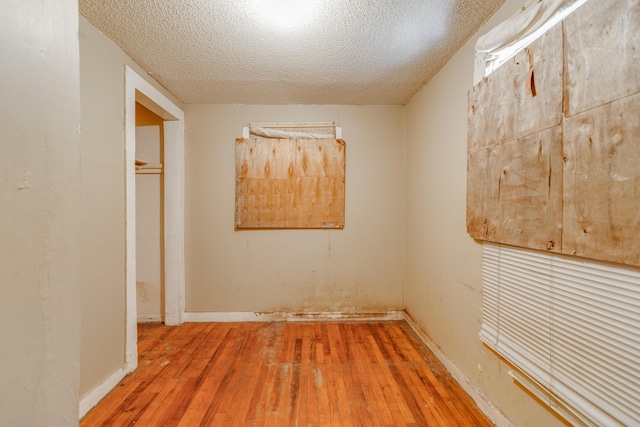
x=40, y=210
x=102, y=226
x=443, y=272
x=359, y=268
x=149, y=229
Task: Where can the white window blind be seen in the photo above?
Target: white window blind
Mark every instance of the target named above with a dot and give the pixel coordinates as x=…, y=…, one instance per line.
x=571, y=328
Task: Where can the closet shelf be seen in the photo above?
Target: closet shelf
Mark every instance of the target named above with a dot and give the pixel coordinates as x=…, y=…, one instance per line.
x=143, y=167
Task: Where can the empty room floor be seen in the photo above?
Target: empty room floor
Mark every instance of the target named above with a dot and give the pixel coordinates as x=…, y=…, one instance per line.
x=285, y=374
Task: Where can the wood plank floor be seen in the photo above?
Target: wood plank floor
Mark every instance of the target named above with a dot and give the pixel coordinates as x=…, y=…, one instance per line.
x=285, y=374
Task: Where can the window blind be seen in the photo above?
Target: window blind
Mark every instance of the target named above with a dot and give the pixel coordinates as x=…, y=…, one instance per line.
x=570, y=327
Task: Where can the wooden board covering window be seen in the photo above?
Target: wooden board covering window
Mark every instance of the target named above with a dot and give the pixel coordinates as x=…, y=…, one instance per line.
x=514, y=179
x=290, y=183
x=602, y=182
x=521, y=97
x=516, y=192
x=602, y=42
x=591, y=205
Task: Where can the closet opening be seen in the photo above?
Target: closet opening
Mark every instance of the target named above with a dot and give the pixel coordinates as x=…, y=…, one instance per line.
x=159, y=227
x=149, y=161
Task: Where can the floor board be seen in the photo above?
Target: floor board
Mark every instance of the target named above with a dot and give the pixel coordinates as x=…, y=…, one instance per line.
x=285, y=374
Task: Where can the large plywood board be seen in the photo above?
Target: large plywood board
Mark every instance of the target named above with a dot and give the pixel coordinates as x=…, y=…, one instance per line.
x=481, y=190
x=521, y=97
x=596, y=207
x=602, y=182
x=602, y=54
x=290, y=183
x=515, y=192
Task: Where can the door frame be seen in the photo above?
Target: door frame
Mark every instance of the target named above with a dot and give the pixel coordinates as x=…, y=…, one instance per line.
x=137, y=89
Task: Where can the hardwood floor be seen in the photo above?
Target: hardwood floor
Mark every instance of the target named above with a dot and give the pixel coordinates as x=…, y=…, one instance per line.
x=285, y=374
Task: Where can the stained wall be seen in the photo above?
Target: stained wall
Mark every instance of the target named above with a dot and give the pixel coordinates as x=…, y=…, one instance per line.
x=102, y=224
x=443, y=287
x=359, y=268
x=40, y=210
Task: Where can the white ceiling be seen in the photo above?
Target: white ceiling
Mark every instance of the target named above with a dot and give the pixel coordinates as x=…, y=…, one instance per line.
x=341, y=52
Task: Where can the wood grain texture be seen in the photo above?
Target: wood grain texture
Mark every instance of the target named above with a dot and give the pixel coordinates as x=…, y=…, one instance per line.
x=602, y=56
x=515, y=192
x=285, y=374
x=290, y=183
x=521, y=97
x=481, y=189
x=602, y=183
x=589, y=205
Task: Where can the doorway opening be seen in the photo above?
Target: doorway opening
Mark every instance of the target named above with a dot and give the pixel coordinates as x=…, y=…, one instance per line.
x=140, y=92
x=149, y=165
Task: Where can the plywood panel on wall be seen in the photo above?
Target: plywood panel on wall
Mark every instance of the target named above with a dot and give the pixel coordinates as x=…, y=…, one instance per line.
x=481, y=189
x=602, y=182
x=521, y=97
x=514, y=184
x=515, y=192
x=602, y=42
x=595, y=210
x=290, y=183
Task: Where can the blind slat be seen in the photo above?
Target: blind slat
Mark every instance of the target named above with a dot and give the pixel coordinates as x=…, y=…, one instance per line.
x=571, y=326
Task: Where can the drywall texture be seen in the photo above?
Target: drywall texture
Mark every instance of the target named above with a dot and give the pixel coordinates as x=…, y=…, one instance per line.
x=39, y=180
x=443, y=267
x=359, y=268
x=102, y=269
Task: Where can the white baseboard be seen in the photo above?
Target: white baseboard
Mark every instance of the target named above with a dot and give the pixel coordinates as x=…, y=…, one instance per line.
x=238, y=316
x=291, y=316
x=96, y=395
x=490, y=411
x=150, y=319
x=364, y=316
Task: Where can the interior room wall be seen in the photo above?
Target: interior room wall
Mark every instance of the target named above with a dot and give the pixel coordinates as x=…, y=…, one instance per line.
x=444, y=266
x=40, y=210
x=102, y=226
x=359, y=268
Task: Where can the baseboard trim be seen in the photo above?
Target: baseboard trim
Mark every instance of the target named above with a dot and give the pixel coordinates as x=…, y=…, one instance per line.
x=284, y=316
x=492, y=413
x=96, y=395
x=150, y=319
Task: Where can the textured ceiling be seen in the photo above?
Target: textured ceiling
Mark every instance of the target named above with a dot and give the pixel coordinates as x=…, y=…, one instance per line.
x=338, y=52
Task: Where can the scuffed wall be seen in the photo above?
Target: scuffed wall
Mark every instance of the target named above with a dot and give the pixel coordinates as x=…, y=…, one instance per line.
x=39, y=213
x=443, y=272
x=102, y=270
x=356, y=269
